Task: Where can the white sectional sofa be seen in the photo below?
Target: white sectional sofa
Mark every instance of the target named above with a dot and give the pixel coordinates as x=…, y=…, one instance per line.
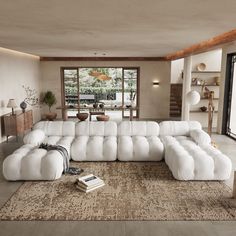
x=184, y=145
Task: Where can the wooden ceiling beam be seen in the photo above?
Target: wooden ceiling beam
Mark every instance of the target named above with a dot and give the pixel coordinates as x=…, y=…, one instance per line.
x=204, y=46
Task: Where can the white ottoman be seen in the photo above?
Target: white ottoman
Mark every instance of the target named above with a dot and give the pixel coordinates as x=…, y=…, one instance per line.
x=189, y=161
x=31, y=163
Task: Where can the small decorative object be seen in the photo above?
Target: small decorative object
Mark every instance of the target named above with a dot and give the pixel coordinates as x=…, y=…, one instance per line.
x=217, y=81
x=82, y=116
x=193, y=97
x=95, y=105
x=103, y=118
x=194, y=81
x=23, y=106
x=12, y=104
x=101, y=105
x=201, y=67
x=198, y=82
x=49, y=99
x=203, y=109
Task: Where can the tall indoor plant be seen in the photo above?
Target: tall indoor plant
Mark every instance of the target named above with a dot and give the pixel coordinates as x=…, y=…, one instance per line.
x=49, y=99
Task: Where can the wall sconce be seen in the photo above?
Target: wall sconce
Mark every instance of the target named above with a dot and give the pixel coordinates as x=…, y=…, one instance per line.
x=155, y=83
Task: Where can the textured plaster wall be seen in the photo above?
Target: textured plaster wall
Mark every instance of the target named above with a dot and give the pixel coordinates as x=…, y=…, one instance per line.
x=154, y=102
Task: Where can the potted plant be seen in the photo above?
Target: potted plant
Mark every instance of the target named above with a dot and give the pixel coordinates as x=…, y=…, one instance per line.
x=49, y=99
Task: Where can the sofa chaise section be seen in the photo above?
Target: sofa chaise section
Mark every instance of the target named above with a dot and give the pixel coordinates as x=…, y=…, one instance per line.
x=31, y=163
x=189, y=153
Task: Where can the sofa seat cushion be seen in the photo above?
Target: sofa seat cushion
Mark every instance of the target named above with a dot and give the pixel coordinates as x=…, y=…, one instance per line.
x=56, y=128
x=189, y=161
x=140, y=148
x=138, y=128
x=30, y=163
x=178, y=128
x=94, y=148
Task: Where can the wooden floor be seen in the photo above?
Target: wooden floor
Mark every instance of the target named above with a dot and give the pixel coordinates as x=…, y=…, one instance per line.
x=129, y=228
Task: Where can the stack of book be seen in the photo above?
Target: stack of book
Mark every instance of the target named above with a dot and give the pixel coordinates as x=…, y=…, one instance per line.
x=89, y=183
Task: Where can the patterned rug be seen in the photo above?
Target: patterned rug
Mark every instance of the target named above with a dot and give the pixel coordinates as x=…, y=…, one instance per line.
x=133, y=191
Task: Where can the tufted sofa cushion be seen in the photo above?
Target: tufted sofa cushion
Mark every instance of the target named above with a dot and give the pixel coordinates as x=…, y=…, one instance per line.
x=138, y=128
x=189, y=161
x=178, y=128
x=35, y=137
x=55, y=133
x=56, y=128
x=30, y=163
x=95, y=141
x=200, y=137
x=101, y=128
x=139, y=141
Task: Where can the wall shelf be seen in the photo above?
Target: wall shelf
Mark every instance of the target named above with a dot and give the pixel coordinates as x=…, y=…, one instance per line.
x=206, y=72
x=210, y=85
x=203, y=112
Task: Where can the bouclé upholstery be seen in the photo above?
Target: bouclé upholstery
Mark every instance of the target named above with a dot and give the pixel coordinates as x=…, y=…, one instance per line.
x=184, y=145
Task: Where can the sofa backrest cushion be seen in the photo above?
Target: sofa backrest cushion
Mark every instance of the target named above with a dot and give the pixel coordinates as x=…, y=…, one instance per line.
x=96, y=128
x=138, y=128
x=56, y=128
x=178, y=128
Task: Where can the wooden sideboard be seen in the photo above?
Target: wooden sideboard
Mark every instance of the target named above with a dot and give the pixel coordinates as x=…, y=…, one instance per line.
x=18, y=123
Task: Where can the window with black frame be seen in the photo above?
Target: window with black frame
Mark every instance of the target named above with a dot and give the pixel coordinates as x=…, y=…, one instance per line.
x=230, y=98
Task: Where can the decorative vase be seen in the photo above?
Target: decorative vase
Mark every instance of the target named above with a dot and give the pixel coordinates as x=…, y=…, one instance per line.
x=23, y=106
x=82, y=116
x=101, y=105
x=203, y=109
x=51, y=116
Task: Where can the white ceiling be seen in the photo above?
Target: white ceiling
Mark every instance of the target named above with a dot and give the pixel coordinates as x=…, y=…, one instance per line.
x=142, y=28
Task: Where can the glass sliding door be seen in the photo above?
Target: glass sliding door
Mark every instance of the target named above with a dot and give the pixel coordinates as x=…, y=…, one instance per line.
x=130, y=90
x=231, y=122
x=105, y=87
x=70, y=90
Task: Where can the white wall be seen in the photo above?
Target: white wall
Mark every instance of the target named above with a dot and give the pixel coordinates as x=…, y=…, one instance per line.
x=212, y=60
x=227, y=49
x=154, y=102
x=177, y=67
x=17, y=69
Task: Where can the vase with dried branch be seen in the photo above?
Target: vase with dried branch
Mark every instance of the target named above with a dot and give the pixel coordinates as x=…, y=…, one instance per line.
x=31, y=98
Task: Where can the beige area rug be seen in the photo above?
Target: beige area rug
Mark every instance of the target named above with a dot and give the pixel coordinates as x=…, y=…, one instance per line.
x=133, y=191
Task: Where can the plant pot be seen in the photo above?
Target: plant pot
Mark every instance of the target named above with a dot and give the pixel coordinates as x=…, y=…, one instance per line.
x=103, y=118
x=51, y=116
x=82, y=116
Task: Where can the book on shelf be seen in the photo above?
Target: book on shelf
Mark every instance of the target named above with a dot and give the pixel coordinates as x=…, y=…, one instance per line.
x=89, y=183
